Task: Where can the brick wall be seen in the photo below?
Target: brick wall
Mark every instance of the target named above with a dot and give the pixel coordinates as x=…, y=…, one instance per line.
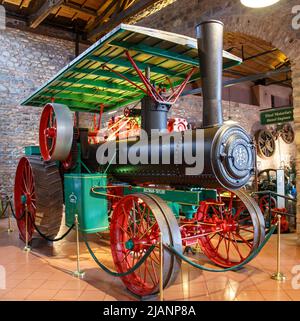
x=26, y=61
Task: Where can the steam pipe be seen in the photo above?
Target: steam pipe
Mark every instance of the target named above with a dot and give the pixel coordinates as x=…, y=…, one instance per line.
x=210, y=48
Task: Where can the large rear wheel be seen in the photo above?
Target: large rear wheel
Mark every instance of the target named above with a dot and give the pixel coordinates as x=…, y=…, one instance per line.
x=38, y=184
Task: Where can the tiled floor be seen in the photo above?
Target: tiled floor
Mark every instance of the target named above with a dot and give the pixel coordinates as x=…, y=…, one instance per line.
x=46, y=274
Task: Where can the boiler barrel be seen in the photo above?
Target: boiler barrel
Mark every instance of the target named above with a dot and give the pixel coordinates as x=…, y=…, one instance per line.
x=228, y=154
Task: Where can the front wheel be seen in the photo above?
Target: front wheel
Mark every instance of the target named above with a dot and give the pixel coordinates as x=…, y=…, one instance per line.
x=136, y=224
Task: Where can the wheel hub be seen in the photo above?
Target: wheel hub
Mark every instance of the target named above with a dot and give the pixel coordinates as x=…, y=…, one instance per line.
x=228, y=226
x=129, y=244
x=50, y=132
x=138, y=245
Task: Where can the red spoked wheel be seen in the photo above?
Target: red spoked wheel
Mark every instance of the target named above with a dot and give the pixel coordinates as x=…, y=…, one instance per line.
x=136, y=223
x=265, y=202
x=55, y=132
x=235, y=228
x=24, y=193
x=38, y=185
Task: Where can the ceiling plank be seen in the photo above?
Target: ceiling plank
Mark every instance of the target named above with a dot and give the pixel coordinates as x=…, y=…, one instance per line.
x=135, y=8
x=104, y=14
x=43, y=12
x=80, y=9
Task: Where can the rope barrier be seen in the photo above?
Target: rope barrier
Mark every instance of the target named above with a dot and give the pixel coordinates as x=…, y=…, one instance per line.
x=236, y=267
x=113, y=273
x=14, y=215
x=46, y=237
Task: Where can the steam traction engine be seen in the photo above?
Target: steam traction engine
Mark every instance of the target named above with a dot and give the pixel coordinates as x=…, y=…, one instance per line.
x=209, y=210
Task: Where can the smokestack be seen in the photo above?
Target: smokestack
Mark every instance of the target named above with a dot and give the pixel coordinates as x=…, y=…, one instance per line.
x=210, y=47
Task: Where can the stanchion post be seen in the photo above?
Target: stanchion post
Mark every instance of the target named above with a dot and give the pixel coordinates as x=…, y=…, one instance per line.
x=9, y=229
x=27, y=248
x=161, y=267
x=278, y=276
x=78, y=273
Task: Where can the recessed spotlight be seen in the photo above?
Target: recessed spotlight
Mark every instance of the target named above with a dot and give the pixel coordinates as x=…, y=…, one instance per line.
x=258, y=3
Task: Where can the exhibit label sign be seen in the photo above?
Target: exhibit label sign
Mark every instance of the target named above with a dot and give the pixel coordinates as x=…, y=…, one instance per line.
x=277, y=115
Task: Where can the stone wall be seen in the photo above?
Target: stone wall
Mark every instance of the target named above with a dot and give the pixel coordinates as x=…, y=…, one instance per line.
x=26, y=61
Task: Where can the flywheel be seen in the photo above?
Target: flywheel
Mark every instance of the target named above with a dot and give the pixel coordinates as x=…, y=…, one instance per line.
x=38, y=184
x=287, y=134
x=265, y=143
x=56, y=132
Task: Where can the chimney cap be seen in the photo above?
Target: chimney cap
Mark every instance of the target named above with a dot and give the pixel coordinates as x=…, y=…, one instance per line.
x=209, y=21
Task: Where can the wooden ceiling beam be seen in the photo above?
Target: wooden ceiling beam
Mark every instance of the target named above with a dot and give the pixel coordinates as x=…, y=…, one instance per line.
x=135, y=8
x=43, y=12
x=80, y=9
x=108, y=10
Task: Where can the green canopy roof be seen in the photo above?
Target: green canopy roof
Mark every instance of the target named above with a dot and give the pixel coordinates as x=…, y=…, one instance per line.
x=95, y=77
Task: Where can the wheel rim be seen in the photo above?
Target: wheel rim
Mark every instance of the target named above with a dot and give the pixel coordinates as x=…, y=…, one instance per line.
x=55, y=132
x=48, y=132
x=24, y=192
x=288, y=134
x=265, y=144
x=237, y=232
x=264, y=203
x=175, y=236
x=135, y=227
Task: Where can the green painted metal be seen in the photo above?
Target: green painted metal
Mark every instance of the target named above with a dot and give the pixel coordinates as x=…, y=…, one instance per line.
x=175, y=208
x=157, y=52
x=91, y=208
x=32, y=150
x=122, y=62
x=94, y=91
x=85, y=83
x=77, y=97
x=181, y=197
x=100, y=84
x=105, y=74
x=277, y=115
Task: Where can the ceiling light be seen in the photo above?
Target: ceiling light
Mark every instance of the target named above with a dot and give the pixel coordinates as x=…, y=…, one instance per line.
x=258, y=3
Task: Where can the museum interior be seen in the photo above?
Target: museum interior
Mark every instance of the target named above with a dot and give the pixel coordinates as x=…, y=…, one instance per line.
x=149, y=150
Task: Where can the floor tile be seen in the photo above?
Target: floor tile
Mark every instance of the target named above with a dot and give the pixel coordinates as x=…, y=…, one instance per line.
x=67, y=295
x=88, y=295
x=46, y=274
x=42, y=295
x=18, y=294
x=275, y=295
